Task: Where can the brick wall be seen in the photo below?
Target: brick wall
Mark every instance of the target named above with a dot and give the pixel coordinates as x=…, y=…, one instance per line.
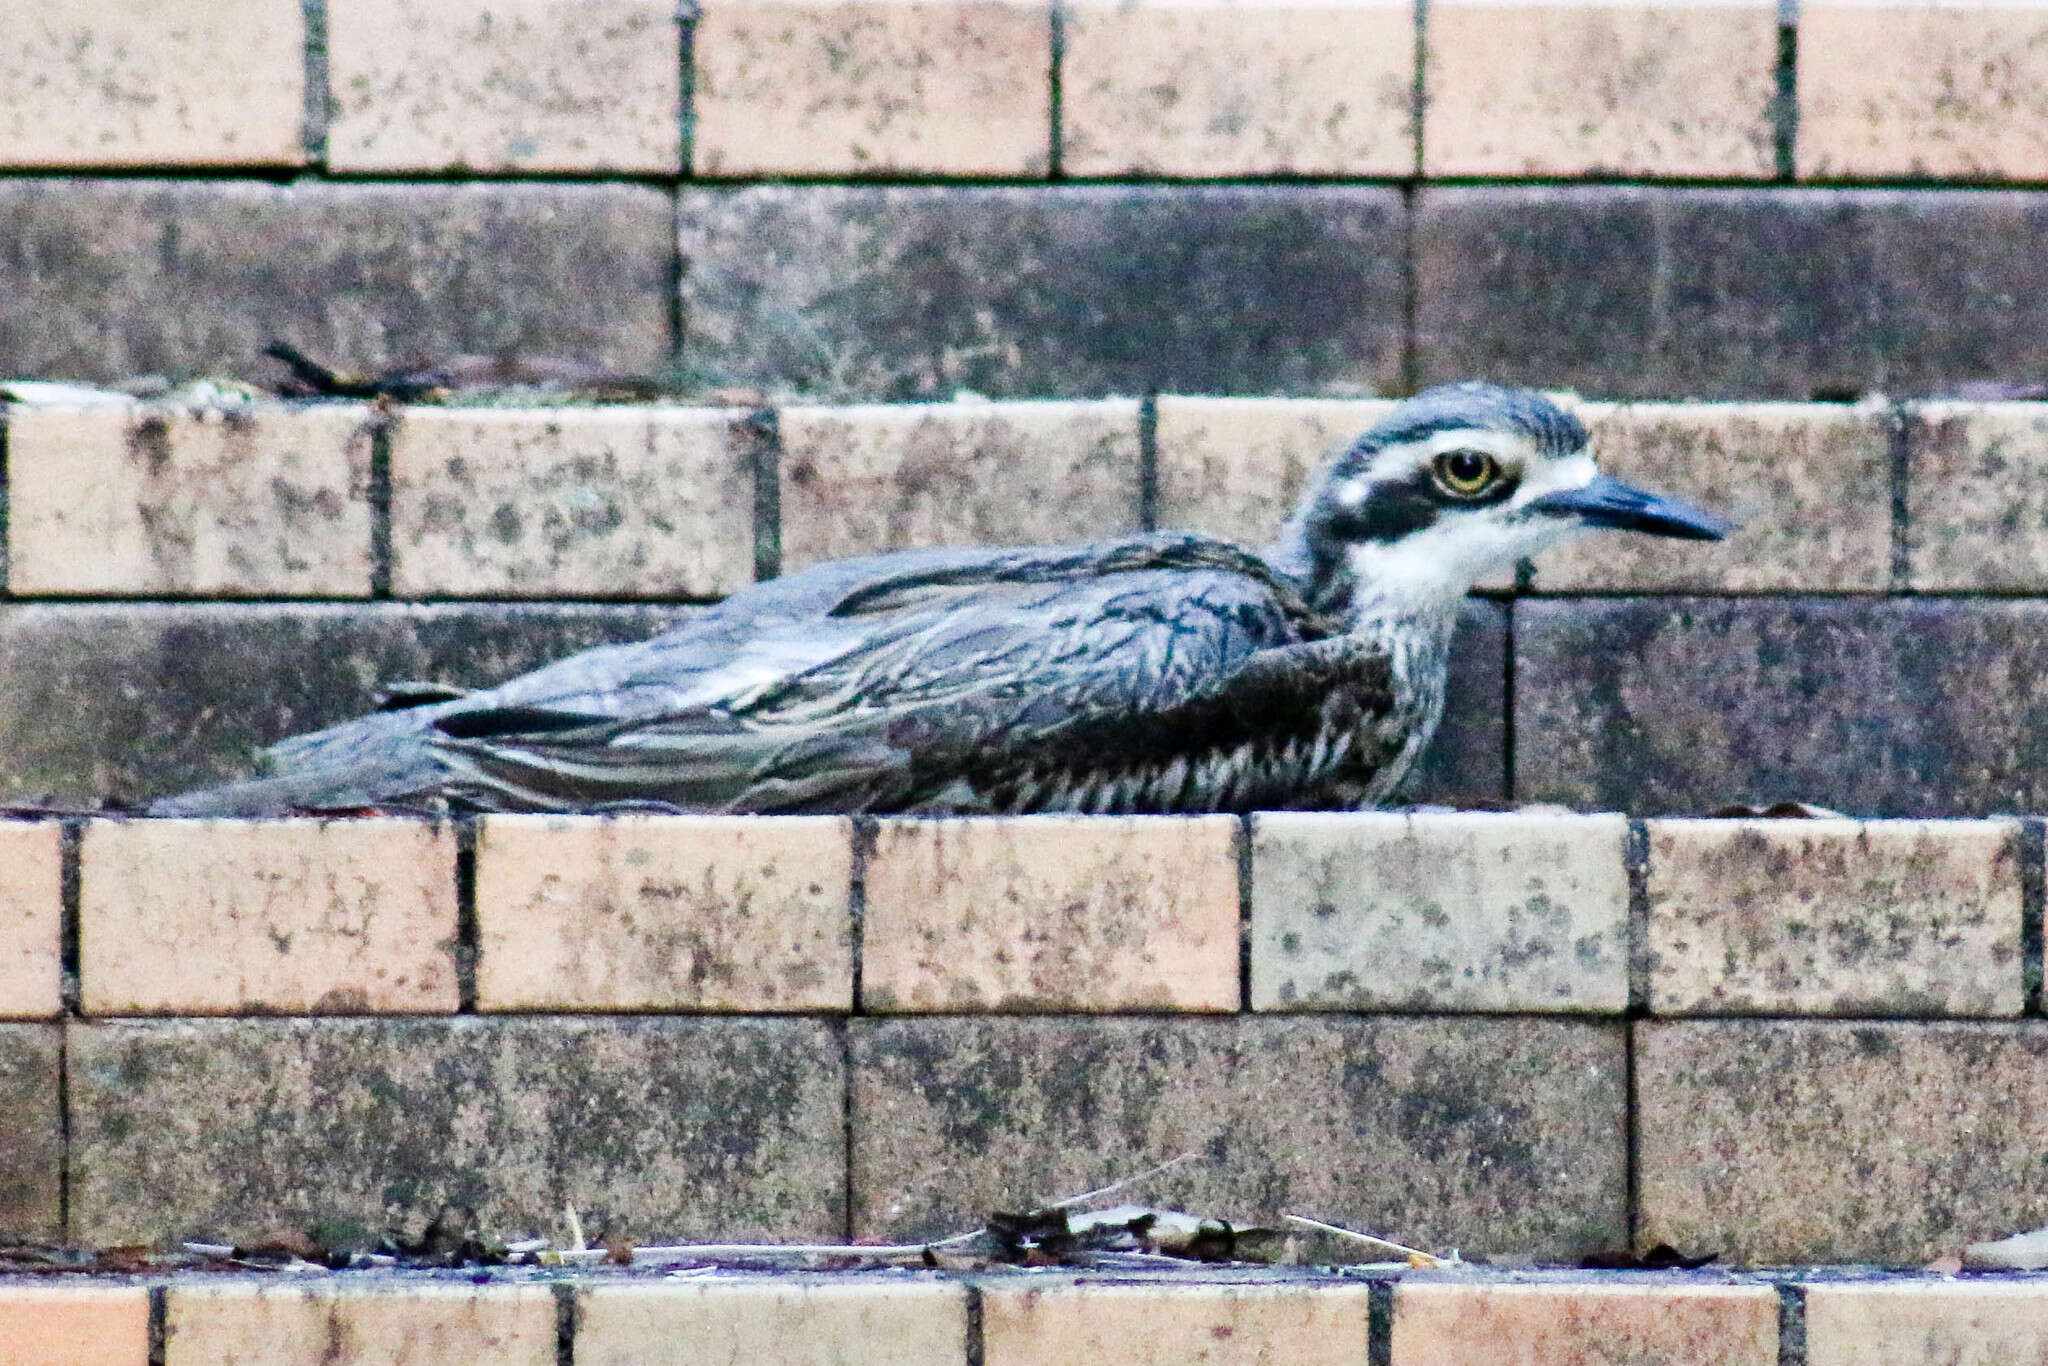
x=185, y=585
x=1425, y=1320
x=1183, y=249
x=1525, y=1035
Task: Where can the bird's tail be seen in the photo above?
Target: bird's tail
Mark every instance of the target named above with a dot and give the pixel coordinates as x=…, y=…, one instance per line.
x=385, y=782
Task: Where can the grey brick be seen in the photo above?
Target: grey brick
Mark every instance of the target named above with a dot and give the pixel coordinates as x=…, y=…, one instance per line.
x=103, y=701
x=657, y=1129
x=1901, y=707
x=1775, y=1141
x=31, y=1133
x=1637, y=292
x=892, y=293
x=1499, y=1136
x=1963, y=280
x=105, y=279
x=1466, y=764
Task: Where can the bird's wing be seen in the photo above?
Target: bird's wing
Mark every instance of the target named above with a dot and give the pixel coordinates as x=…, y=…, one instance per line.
x=916, y=680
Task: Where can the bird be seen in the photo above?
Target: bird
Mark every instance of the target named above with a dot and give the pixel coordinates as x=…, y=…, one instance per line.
x=1163, y=672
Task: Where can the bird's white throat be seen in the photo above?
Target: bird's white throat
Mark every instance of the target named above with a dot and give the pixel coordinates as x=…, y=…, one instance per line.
x=1429, y=571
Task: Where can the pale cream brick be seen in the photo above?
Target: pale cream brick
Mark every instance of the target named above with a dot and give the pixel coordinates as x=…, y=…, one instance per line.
x=642, y=912
x=1052, y=912
x=1835, y=917
x=1585, y=1324
x=1373, y=910
x=1808, y=485
x=1204, y=88
x=1977, y=497
x=1927, y=89
x=1236, y=467
x=505, y=85
x=1174, y=1325
x=810, y=87
x=304, y=916
x=282, y=1323
x=792, y=1321
x=145, y=500
x=44, y=1324
x=153, y=83
x=891, y=477
x=1531, y=87
x=1908, y=1323
x=31, y=919
x=608, y=501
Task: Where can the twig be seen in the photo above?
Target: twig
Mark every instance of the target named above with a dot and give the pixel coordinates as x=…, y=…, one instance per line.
x=1115, y=1186
x=1415, y=1255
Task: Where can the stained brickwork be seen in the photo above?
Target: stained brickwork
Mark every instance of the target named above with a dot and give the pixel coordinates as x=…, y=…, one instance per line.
x=1138, y=265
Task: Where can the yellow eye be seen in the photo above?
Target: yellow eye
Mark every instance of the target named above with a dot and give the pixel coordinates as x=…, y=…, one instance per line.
x=1465, y=474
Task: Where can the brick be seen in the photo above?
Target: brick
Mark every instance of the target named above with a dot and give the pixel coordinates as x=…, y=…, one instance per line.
x=1204, y=90
x=1962, y=287
x=1499, y=1136
x=31, y=909
x=505, y=85
x=1052, y=913
x=74, y=1325
x=1809, y=485
x=148, y=500
x=594, y=502
x=1237, y=467
x=1465, y=764
x=122, y=702
x=863, y=479
x=239, y=917
x=1826, y=917
x=638, y=912
x=1609, y=89
x=1701, y=293
x=655, y=1129
x=1585, y=1324
x=136, y=83
x=1679, y=706
x=915, y=292
x=1975, y=516
x=1923, y=91
x=1765, y=293
x=798, y=1321
x=1984, y=1323
x=1775, y=1141
x=31, y=1133
x=110, y=279
x=1373, y=911
x=1166, y=1325
x=279, y=1323
x=865, y=87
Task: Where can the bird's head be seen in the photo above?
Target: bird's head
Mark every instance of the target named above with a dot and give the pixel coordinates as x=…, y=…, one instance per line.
x=1462, y=481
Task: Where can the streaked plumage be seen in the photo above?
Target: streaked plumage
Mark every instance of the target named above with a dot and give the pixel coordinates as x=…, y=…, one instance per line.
x=1165, y=672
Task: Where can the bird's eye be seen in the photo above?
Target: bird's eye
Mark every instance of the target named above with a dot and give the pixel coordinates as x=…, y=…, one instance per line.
x=1465, y=474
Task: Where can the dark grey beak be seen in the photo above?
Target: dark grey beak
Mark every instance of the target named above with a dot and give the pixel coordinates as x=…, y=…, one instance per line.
x=1610, y=503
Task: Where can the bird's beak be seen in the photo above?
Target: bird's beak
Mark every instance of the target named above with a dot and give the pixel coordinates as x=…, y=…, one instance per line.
x=1607, y=502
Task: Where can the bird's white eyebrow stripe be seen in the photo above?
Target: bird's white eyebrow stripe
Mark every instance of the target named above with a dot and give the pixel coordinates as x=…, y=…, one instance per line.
x=1402, y=459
